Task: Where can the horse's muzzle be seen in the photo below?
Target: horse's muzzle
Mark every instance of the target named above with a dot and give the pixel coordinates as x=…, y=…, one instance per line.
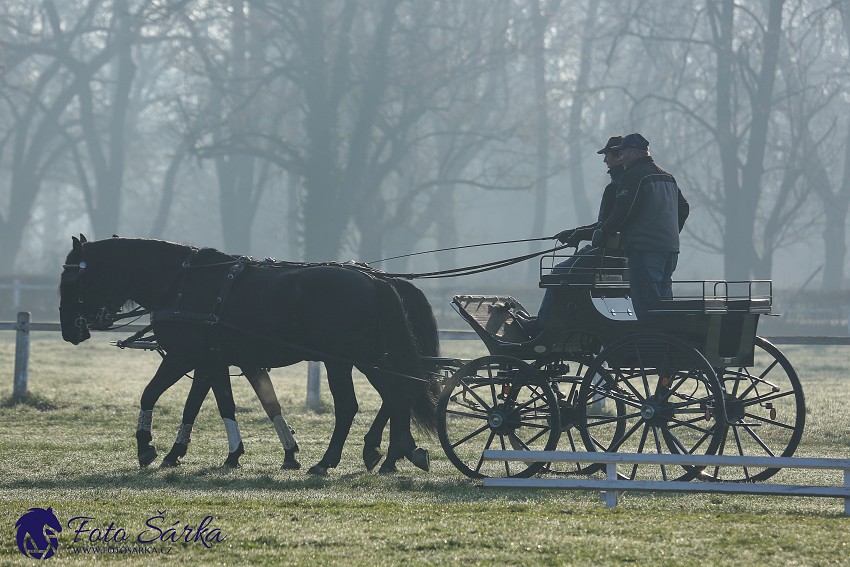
x=77, y=333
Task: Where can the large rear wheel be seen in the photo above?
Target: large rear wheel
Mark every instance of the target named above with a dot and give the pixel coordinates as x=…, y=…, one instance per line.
x=672, y=402
x=497, y=402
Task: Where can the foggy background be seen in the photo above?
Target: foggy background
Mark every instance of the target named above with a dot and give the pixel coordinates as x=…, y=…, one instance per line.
x=362, y=129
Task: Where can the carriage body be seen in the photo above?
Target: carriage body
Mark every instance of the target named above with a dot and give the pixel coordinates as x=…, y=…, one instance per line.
x=592, y=307
x=694, y=377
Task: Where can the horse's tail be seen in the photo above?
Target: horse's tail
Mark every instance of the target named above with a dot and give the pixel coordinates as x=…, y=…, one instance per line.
x=420, y=316
x=403, y=356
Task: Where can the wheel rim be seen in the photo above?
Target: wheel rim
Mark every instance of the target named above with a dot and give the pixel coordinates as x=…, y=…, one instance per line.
x=671, y=403
x=496, y=402
x=766, y=412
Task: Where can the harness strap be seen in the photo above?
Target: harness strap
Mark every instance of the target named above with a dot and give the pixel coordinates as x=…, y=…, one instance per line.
x=187, y=263
x=232, y=274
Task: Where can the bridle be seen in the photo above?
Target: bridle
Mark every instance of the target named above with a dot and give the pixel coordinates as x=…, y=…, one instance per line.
x=101, y=318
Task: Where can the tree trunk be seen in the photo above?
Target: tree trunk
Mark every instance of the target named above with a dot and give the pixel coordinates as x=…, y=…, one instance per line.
x=539, y=21
x=742, y=198
x=578, y=142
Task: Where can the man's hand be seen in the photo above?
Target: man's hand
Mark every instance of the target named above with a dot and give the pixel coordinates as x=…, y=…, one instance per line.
x=564, y=236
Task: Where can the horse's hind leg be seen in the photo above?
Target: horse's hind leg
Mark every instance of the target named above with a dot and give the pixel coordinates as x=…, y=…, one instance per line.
x=402, y=444
x=345, y=408
x=372, y=440
x=170, y=370
x=262, y=384
x=197, y=394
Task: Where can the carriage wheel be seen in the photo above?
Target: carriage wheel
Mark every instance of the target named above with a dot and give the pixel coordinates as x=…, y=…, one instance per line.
x=497, y=402
x=566, y=377
x=672, y=401
x=765, y=410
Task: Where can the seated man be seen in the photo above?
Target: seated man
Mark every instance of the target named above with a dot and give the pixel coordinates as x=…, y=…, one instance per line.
x=573, y=237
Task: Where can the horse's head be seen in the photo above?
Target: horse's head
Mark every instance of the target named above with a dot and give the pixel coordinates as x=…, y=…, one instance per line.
x=86, y=301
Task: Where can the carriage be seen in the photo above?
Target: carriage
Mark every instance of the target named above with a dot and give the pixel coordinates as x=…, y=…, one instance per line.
x=695, y=379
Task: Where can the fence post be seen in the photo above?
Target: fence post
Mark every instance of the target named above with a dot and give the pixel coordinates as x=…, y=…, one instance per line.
x=314, y=384
x=22, y=355
x=611, y=495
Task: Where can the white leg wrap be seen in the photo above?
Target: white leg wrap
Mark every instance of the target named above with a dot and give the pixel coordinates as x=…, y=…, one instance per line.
x=287, y=439
x=234, y=438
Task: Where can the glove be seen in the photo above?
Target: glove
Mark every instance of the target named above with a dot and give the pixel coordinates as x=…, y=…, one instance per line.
x=599, y=239
x=574, y=239
x=564, y=236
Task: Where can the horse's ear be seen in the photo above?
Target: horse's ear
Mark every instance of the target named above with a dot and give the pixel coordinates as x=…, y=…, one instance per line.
x=83, y=238
x=76, y=242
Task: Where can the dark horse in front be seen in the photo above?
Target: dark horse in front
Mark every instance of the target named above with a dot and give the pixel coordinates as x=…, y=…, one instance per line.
x=210, y=310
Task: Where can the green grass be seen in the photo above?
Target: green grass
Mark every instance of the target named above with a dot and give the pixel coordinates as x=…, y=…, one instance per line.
x=71, y=446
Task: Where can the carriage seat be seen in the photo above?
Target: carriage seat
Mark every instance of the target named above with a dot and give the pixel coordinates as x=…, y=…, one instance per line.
x=590, y=269
x=491, y=317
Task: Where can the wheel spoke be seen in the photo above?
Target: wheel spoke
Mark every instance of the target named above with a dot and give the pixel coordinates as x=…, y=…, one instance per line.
x=659, y=451
x=486, y=446
x=773, y=422
x=476, y=415
x=470, y=436
x=754, y=436
x=768, y=398
x=689, y=424
x=613, y=419
x=619, y=442
x=474, y=394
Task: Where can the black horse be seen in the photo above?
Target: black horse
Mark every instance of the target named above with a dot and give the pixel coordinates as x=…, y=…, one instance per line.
x=211, y=310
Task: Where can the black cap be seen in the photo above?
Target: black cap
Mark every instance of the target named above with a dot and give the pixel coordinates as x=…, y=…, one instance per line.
x=635, y=141
x=613, y=142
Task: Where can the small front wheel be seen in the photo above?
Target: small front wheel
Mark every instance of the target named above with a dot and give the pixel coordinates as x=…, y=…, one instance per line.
x=497, y=402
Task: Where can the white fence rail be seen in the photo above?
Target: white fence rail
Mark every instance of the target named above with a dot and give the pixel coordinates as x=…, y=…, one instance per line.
x=611, y=485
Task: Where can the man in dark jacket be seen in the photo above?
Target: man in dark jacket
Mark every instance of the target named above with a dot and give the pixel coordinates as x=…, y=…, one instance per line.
x=649, y=211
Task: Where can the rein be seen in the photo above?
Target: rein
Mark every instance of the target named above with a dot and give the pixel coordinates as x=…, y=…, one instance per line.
x=477, y=268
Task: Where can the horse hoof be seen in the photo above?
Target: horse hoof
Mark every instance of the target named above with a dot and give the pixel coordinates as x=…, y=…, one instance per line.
x=388, y=468
x=318, y=470
x=169, y=464
x=420, y=458
x=371, y=457
x=147, y=456
x=291, y=465
x=232, y=460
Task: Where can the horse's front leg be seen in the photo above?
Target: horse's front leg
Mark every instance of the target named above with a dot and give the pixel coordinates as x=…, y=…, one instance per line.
x=345, y=408
x=262, y=384
x=170, y=370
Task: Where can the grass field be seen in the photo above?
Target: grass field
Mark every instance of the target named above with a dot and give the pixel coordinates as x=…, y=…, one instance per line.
x=73, y=449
